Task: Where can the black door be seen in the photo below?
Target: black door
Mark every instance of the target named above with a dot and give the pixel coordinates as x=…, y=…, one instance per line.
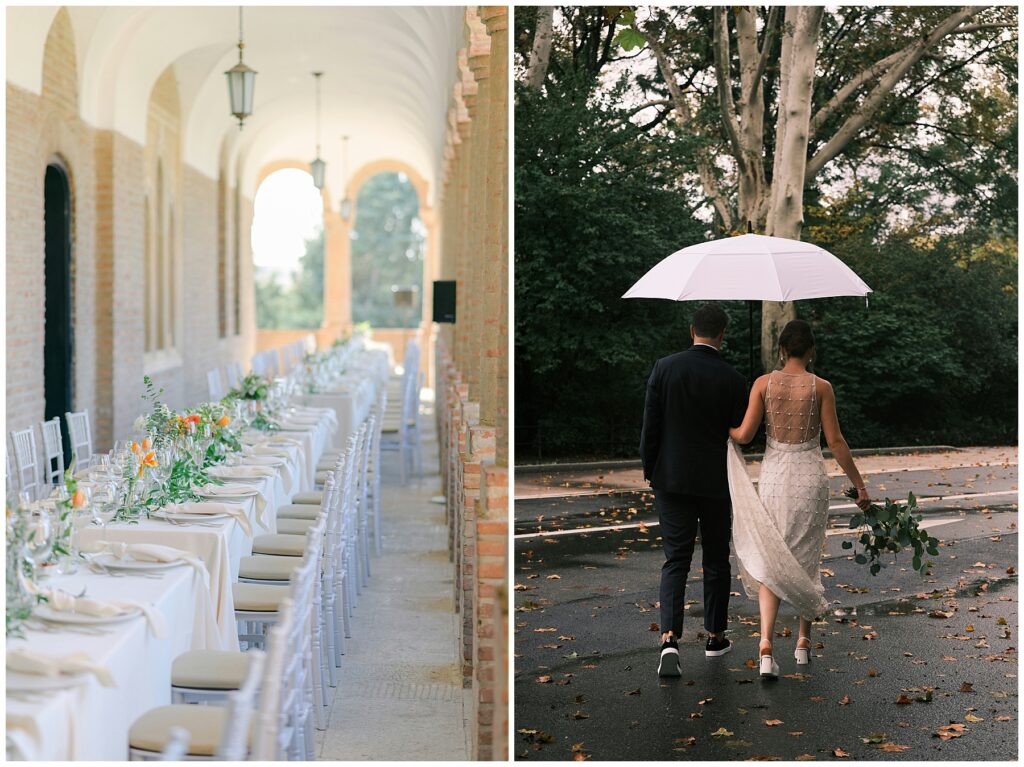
x=58, y=342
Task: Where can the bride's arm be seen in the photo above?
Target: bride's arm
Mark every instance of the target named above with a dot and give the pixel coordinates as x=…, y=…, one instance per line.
x=747, y=430
x=837, y=442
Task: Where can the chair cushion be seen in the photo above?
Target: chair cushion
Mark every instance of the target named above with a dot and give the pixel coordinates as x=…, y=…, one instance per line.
x=310, y=496
x=205, y=724
x=258, y=597
x=294, y=526
x=321, y=477
x=210, y=669
x=298, y=511
x=283, y=545
x=265, y=567
x=327, y=465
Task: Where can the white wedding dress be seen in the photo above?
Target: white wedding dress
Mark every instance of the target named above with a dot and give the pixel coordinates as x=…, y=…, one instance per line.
x=779, y=528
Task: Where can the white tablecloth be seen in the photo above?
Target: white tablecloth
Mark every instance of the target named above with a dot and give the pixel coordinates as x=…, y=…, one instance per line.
x=91, y=721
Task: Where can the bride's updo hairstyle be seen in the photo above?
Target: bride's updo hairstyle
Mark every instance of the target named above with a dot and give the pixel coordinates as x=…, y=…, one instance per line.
x=796, y=339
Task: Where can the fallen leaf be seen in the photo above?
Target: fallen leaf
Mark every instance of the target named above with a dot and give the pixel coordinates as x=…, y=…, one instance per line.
x=633, y=692
x=544, y=679
x=872, y=673
x=966, y=687
x=541, y=631
x=1000, y=621
x=806, y=758
x=940, y=614
x=686, y=741
x=839, y=753
x=705, y=702
x=696, y=715
x=654, y=627
x=892, y=747
x=1004, y=718
x=904, y=699
x=721, y=732
x=773, y=722
x=565, y=638
x=577, y=747
x=581, y=715
x=796, y=733
x=554, y=577
x=750, y=663
x=845, y=701
x=950, y=731
x=973, y=718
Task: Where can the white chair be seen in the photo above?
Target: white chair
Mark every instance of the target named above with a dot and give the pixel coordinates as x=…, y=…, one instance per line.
x=276, y=734
x=80, y=436
x=26, y=461
x=363, y=503
x=214, y=386
x=373, y=484
x=53, y=451
x=257, y=364
x=233, y=374
x=12, y=485
x=215, y=732
x=176, y=748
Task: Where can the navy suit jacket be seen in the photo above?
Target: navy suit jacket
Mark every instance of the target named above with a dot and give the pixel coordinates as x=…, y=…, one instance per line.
x=693, y=398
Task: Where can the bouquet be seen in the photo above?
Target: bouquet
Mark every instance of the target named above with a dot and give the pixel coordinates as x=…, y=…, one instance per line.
x=894, y=527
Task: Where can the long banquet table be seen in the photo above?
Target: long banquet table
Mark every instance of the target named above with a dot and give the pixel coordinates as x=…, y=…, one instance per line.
x=91, y=722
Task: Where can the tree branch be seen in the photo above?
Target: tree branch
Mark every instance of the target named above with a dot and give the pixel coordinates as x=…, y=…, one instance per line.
x=720, y=41
x=684, y=118
x=766, y=47
x=883, y=88
x=540, y=54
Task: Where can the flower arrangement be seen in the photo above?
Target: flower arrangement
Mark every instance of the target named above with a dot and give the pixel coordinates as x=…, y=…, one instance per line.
x=253, y=386
x=894, y=527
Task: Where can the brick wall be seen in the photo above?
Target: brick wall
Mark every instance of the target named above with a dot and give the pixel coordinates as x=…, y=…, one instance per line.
x=109, y=175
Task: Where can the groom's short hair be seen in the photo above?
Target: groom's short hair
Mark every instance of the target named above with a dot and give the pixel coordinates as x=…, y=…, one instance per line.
x=710, y=321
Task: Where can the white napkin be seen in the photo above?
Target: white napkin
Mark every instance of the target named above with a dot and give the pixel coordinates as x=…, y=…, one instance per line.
x=241, y=472
x=238, y=490
x=154, y=552
x=201, y=508
x=280, y=464
x=64, y=602
x=28, y=662
x=278, y=452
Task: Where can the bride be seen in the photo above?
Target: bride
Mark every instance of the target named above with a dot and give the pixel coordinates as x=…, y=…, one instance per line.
x=779, y=528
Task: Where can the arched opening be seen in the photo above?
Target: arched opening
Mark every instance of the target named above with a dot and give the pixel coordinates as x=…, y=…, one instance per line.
x=388, y=245
x=288, y=251
x=58, y=343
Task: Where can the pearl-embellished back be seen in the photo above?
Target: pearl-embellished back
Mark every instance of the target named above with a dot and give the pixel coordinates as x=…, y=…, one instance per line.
x=791, y=408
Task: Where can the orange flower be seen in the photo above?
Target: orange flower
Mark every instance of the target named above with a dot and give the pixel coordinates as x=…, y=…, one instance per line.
x=135, y=447
x=78, y=499
x=149, y=459
x=194, y=418
x=224, y=421
x=145, y=443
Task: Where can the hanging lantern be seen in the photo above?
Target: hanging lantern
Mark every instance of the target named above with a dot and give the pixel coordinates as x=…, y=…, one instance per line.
x=318, y=168
x=346, y=204
x=241, y=82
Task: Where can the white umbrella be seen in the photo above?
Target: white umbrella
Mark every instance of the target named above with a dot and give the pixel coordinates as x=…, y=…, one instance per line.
x=749, y=267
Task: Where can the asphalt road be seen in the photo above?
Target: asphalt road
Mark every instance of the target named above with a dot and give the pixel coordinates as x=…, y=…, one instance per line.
x=586, y=640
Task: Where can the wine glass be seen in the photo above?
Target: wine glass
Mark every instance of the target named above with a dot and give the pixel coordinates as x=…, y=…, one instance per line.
x=104, y=504
x=40, y=533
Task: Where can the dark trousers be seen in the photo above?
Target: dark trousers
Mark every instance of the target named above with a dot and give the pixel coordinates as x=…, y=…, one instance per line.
x=680, y=516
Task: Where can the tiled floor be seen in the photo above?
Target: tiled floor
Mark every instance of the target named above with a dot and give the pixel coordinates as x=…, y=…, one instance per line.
x=399, y=694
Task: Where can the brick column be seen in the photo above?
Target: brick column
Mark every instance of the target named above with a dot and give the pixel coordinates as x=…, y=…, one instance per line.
x=337, y=274
x=494, y=336
x=490, y=656
x=480, y=64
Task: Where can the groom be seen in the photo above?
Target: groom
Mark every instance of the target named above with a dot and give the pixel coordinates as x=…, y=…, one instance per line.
x=693, y=399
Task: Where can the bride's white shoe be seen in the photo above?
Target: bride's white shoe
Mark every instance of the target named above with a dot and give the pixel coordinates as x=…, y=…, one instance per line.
x=802, y=655
x=769, y=668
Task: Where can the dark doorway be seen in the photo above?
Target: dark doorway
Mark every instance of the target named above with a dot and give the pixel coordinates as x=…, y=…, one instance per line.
x=58, y=342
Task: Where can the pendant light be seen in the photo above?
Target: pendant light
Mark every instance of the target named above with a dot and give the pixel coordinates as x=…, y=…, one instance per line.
x=346, y=203
x=241, y=82
x=318, y=168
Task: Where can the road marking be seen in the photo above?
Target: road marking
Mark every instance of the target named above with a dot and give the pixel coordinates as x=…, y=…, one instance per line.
x=632, y=525
x=579, y=492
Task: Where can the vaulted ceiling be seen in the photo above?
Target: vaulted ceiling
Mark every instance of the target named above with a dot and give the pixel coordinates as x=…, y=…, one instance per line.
x=388, y=77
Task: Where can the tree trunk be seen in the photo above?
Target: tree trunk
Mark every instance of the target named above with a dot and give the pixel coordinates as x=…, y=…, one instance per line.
x=540, y=54
x=786, y=208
